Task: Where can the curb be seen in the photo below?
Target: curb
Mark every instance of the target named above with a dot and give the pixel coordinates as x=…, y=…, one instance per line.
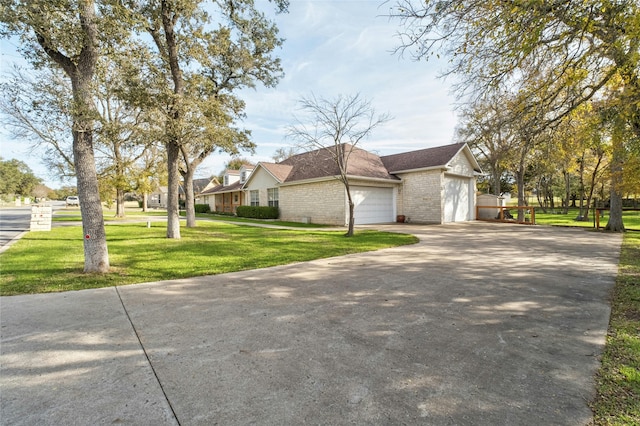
x=12, y=242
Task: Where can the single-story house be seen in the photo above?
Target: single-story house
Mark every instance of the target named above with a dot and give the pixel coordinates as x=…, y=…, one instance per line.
x=226, y=197
x=159, y=197
x=433, y=185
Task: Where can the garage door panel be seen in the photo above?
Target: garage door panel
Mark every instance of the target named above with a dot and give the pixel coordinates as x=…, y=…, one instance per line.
x=456, y=205
x=373, y=205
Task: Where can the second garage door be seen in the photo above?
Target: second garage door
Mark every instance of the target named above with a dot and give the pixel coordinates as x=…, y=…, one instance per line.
x=373, y=205
x=457, y=196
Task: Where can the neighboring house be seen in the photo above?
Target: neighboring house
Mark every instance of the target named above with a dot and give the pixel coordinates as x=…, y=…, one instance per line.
x=199, y=186
x=158, y=198
x=434, y=185
x=226, y=197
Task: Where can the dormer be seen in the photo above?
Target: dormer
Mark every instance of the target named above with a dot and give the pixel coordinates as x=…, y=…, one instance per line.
x=231, y=177
x=245, y=172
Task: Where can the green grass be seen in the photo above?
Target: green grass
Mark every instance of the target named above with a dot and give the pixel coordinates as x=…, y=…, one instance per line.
x=52, y=261
x=73, y=215
x=618, y=381
x=631, y=219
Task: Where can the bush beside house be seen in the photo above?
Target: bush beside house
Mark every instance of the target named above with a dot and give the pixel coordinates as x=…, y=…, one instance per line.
x=258, y=212
x=202, y=208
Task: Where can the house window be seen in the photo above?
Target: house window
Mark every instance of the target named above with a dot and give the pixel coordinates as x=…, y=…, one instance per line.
x=243, y=176
x=272, y=194
x=226, y=181
x=255, y=197
x=235, y=198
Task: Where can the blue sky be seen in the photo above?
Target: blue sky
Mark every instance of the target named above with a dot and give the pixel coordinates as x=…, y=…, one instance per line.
x=331, y=47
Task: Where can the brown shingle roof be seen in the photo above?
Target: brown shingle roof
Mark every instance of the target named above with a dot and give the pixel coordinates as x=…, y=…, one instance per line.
x=421, y=159
x=321, y=163
x=237, y=186
x=278, y=170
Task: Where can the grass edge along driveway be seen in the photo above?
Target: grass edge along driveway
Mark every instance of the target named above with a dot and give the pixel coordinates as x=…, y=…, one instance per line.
x=618, y=381
x=43, y=262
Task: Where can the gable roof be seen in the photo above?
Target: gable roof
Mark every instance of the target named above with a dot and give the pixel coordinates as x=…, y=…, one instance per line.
x=321, y=163
x=200, y=184
x=236, y=186
x=439, y=156
x=279, y=171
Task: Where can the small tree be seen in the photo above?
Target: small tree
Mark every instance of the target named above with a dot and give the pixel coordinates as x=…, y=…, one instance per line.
x=337, y=125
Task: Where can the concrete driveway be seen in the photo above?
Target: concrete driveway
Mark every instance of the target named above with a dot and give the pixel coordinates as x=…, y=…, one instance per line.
x=478, y=324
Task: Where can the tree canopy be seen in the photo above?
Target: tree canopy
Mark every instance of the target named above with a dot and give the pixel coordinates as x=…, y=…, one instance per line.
x=552, y=56
x=16, y=178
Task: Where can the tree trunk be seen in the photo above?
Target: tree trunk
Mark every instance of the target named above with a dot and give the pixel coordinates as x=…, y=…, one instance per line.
x=495, y=181
x=173, y=204
x=350, y=229
x=189, y=204
x=582, y=216
x=567, y=191
x=96, y=255
x=592, y=184
x=347, y=189
x=615, y=223
x=521, y=195
x=145, y=201
x=120, y=203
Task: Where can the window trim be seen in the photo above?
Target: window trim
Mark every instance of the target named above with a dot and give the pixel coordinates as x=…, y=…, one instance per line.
x=273, y=197
x=254, y=193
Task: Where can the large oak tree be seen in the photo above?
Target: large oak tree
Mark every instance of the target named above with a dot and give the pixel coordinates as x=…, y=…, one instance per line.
x=206, y=51
x=69, y=35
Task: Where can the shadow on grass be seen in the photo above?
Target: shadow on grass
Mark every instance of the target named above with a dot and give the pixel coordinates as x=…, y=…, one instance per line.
x=54, y=261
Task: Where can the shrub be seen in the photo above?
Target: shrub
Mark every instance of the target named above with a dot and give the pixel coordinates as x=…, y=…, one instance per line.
x=202, y=208
x=258, y=212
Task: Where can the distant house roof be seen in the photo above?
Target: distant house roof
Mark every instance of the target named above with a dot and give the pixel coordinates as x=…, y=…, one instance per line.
x=200, y=184
x=236, y=186
x=439, y=156
x=219, y=189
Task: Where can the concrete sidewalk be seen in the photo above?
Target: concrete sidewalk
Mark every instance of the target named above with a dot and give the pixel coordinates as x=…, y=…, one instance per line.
x=478, y=324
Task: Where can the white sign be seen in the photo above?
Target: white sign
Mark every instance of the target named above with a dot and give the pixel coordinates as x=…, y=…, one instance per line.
x=41, y=218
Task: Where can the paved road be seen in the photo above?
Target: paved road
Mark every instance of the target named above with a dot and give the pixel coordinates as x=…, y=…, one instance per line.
x=13, y=222
x=16, y=220
x=478, y=324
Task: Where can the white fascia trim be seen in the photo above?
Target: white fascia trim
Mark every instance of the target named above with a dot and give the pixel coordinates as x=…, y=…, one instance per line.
x=459, y=175
x=422, y=169
x=370, y=179
x=337, y=177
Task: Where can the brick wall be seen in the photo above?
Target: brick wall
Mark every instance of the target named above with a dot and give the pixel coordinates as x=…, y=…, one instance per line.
x=421, y=197
x=322, y=202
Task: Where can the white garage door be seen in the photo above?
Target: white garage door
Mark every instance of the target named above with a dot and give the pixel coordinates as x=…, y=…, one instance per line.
x=456, y=199
x=373, y=205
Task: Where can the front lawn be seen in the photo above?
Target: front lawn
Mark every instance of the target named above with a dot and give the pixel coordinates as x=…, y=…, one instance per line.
x=53, y=261
x=631, y=219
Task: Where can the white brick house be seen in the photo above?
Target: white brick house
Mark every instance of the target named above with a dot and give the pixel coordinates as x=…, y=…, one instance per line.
x=433, y=185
